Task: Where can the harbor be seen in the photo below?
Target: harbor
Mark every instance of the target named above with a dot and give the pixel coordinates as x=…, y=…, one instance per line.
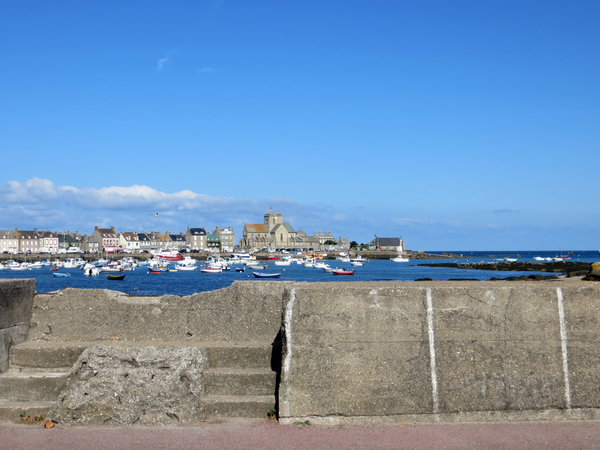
x=171, y=281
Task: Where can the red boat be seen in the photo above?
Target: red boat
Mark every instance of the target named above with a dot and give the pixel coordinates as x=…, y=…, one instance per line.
x=342, y=272
x=272, y=258
x=170, y=254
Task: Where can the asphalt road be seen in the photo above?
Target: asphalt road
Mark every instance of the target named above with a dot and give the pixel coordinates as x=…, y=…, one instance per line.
x=266, y=435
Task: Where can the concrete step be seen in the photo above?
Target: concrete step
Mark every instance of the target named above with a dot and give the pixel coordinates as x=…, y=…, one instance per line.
x=261, y=355
x=45, y=355
x=247, y=406
x=31, y=386
x=227, y=381
x=11, y=411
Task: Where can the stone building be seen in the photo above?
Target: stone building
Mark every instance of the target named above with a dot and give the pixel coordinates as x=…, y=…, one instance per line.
x=107, y=237
x=29, y=241
x=226, y=237
x=196, y=238
x=129, y=241
x=48, y=241
x=275, y=233
x=272, y=233
x=387, y=244
x=9, y=241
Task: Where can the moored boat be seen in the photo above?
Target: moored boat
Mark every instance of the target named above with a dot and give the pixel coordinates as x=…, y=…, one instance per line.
x=399, y=259
x=61, y=274
x=170, y=254
x=266, y=275
x=342, y=272
x=186, y=267
x=115, y=277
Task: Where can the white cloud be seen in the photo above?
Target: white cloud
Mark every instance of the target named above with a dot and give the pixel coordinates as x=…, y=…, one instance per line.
x=44, y=192
x=411, y=221
x=162, y=62
x=506, y=210
x=340, y=217
x=42, y=204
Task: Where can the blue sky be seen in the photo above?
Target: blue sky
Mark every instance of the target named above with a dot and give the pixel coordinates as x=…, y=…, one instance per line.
x=471, y=125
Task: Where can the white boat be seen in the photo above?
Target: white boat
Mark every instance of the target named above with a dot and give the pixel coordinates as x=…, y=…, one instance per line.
x=357, y=263
x=91, y=272
x=283, y=263
x=242, y=256
x=399, y=259
x=115, y=268
x=359, y=258
x=210, y=269
x=186, y=267
x=74, y=263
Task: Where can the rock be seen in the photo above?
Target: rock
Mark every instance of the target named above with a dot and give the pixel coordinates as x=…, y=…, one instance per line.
x=118, y=386
x=577, y=273
x=594, y=273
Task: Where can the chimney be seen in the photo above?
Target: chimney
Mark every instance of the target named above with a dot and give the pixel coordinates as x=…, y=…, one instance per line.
x=181, y=233
x=112, y=229
x=35, y=229
x=96, y=229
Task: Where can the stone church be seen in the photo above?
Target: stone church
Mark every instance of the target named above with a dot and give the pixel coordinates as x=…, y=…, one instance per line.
x=273, y=233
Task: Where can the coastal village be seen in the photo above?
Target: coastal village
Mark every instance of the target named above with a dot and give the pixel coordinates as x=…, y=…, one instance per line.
x=272, y=234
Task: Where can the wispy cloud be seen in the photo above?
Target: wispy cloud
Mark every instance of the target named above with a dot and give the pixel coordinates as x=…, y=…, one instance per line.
x=40, y=203
x=162, y=62
x=411, y=221
x=506, y=210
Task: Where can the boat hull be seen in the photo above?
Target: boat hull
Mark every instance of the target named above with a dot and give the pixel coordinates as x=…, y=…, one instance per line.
x=266, y=275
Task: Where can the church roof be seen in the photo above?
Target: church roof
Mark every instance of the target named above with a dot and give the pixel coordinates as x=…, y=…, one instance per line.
x=255, y=228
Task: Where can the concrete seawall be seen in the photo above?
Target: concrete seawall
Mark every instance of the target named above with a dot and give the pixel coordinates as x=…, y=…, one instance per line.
x=243, y=312
x=354, y=351
x=368, y=350
x=16, y=300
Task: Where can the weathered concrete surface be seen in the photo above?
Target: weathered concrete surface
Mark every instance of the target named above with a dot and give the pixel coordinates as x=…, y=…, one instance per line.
x=245, y=311
x=377, y=349
x=118, y=385
x=16, y=300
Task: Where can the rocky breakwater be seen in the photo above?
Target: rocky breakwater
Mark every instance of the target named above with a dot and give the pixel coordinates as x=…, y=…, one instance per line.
x=594, y=273
x=568, y=268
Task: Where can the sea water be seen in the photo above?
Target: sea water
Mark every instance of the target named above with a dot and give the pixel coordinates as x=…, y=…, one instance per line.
x=141, y=282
